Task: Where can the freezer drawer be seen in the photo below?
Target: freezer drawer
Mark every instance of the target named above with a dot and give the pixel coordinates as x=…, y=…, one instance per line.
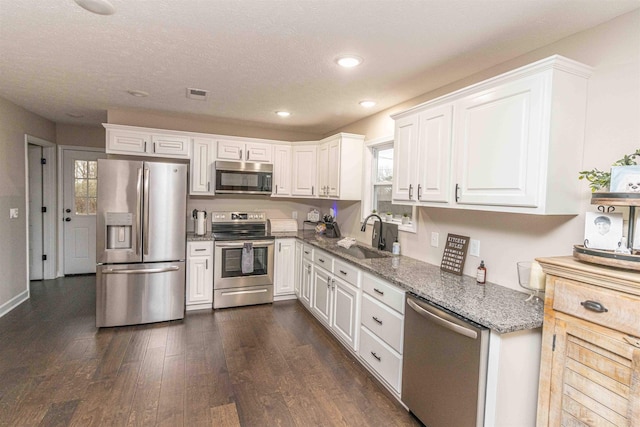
x=131, y=294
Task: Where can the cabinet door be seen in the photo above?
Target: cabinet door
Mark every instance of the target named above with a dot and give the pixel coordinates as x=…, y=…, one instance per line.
x=323, y=170
x=595, y=376
x=334, y=167
x=321, y=302
x=202, y=158
x=282, y=170
x=200, y=280
x=307, y=283
x=434, y=155
x=126, y=142
x=499, y=144
x=258, y=152
x=169, y=146
x=404, y=159
x=298, y=268
x=284, y=267
x=230, y=150
x=345, y=309
x=303, y=176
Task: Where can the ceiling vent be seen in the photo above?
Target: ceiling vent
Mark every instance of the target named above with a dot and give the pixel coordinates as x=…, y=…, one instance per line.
x=197, y=94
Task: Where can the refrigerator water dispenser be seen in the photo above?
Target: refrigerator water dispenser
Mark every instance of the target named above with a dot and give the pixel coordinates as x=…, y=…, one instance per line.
x=119, y=226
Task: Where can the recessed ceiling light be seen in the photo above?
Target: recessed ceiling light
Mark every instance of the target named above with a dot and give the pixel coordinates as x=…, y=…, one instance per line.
x=75, y=115
x=101, y=7
x=283, y=113
x=367, y=104
x=138, y=93
x=348, y=61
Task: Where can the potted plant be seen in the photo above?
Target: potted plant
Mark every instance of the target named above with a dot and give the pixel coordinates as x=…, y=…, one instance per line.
x=601, y=180
x=389, y=216
x=405, y=218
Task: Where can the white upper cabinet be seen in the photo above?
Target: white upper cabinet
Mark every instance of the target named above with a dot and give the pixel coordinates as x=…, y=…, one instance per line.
x=202, y=159
x=281, y=170
x=512, y=143
x=340, y=167
x=303, y=175
x=146, y=142
x=244, y=151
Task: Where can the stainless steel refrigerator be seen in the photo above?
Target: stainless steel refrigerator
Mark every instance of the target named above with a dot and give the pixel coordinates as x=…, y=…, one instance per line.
x=141, y=221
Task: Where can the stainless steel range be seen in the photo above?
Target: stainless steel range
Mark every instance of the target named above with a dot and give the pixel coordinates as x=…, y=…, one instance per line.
x=243, y=259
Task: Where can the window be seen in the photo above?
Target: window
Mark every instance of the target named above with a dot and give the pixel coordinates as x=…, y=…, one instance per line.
x=86, y=186
x=379, y=188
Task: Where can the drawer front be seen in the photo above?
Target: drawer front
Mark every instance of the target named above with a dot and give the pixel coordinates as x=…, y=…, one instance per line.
x=584, y=301
x=307, y=252
x=386, y=323
x=200, y=248
x=384, y=292
x=381, y=358
x=323, y=260
x=346, y=272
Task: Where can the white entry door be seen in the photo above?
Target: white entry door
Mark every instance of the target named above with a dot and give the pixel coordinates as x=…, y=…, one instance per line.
x=80, y=178
x=36, y=228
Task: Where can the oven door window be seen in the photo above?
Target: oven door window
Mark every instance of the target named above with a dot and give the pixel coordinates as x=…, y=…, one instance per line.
x=232, y=262
x=243, y=181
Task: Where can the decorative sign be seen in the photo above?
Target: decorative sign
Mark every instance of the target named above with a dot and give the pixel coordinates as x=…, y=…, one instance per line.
x=455, y=252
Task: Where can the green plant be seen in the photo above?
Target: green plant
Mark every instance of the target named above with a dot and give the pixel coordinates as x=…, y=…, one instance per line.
x=600, y=179
x=406, y=215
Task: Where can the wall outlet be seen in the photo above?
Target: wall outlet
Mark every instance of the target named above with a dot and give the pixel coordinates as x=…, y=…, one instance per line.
x=474, y=247
x=13, y=213
x=435, y=238
x=294, y=214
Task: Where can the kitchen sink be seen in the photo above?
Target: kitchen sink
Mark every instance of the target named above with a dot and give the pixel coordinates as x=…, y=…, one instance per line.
x=362, y=252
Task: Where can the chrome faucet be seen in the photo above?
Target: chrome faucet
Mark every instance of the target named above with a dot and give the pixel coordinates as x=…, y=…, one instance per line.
x=381, y=243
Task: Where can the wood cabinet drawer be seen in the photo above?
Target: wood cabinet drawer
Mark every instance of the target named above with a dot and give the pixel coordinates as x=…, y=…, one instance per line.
x=200, y=248
x=615, y=310
x=322, y=259
x=384, y=322
x=381, y=358
x=346, y=272
x=307, y=252
x=384, y=292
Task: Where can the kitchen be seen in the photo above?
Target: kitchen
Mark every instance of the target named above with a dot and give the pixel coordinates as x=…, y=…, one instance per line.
x=506, y=238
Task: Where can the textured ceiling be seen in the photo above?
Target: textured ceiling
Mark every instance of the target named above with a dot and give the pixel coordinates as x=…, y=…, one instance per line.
x=259, y=56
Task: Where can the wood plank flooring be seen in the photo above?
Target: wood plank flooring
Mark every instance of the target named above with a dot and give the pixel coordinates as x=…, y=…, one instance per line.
x=252, y=366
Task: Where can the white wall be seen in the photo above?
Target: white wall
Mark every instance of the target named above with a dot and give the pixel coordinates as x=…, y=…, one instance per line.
x=612, y=130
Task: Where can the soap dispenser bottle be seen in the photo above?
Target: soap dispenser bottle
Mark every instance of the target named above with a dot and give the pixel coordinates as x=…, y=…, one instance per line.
x=481, y=275
x=395, y=250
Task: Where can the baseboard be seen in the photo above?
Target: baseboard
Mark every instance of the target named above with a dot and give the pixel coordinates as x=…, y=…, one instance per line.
x=205, y=306
x=284, y=297
x=14, y=302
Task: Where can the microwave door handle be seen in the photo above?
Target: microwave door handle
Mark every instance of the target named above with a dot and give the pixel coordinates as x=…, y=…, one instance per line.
x=138, y=211
x=145, y=213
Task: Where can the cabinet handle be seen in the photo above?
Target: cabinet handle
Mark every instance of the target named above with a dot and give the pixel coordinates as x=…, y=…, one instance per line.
x=378, y=321
x=208, y=186
x=307, y=252
x=276, y=188
x=333, y=283
x=248, y=152
x=206, y=263
x=312, y=191
x=279, y=247
x=145, y=146
x=419, y=191
x=378, y=358
x=410, y=191
x=200, y=250
x=378, y=291
x=240, y=158
x=594, y=306
x=343, y=272
x=456, y=194
x=321, y=260
x=154, y=147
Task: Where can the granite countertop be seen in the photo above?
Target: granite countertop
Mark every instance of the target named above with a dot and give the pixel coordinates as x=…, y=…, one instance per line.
x=496, y=307
x=500, y=309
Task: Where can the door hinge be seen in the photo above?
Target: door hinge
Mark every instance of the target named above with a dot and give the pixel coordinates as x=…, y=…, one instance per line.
x=44, y=257
x=44, y=209
x=553, y=345
x=43, y=161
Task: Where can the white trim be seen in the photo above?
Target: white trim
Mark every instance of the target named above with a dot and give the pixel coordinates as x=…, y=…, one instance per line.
x=61, y=149
x=48, y=200
x=493, y=368
x=14, y=302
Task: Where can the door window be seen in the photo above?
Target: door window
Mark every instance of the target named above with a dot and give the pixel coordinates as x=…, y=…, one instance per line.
x=85, y=187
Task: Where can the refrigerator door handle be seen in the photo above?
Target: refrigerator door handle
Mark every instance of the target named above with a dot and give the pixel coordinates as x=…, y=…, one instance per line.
x=141, y=270
x=138, y=210
x=145, y=213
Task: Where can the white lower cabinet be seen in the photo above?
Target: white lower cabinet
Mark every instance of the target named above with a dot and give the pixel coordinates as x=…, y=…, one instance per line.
x=284, y=274
x=305, y=285
x=199, y=293
x=381, y=359
x=297, y=269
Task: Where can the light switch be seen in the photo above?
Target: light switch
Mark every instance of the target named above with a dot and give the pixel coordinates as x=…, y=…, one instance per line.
x=13, y=213
x=474, y=247
x=434, y=239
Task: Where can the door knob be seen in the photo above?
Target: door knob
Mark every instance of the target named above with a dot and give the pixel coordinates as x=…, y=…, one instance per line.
x=67, y=219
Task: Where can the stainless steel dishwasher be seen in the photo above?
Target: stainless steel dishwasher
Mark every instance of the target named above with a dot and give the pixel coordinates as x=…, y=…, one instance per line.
x=444, y=366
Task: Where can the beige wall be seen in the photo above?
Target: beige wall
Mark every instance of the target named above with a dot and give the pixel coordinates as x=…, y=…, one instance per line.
x=82, y=136
x=612, y=130
x=15, y=122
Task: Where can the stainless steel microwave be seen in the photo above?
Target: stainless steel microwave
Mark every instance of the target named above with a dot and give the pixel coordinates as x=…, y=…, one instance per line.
x=243, y=177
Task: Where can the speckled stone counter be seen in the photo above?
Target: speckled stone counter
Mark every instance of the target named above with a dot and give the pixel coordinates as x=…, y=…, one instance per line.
x=496, y=307
x=192, y=237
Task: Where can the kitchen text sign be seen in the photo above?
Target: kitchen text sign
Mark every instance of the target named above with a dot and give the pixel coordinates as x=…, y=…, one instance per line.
x=455, y=252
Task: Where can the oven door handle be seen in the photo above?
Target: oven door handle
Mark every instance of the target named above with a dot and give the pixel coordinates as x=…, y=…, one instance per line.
x=256, y=244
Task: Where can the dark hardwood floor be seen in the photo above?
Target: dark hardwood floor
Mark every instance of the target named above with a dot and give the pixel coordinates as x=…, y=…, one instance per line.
x=252, y=366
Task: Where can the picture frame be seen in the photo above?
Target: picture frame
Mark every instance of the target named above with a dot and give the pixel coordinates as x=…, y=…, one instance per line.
x=603, y=230
x=625, y=179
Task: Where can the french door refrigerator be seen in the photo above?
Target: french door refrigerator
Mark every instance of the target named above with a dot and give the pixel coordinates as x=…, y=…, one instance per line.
x=141, y=224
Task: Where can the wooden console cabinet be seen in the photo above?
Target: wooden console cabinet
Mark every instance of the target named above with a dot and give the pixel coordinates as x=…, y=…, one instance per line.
x=590, y=361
